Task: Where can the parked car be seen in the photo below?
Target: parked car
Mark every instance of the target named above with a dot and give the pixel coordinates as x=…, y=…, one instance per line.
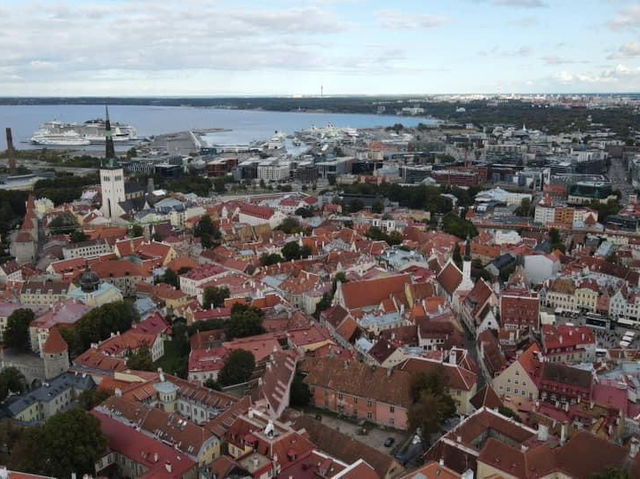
x=389, y=442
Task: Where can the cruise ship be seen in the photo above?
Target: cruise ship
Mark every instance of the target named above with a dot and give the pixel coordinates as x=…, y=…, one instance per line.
x=81, y=134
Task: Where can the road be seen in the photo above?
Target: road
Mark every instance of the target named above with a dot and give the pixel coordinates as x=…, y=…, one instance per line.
x=619, y=177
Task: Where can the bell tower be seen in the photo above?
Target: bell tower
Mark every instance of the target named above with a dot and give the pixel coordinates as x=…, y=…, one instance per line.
x=111, y=177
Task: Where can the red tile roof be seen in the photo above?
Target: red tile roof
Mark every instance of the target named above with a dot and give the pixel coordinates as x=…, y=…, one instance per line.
x=258, y=211
x=450, y=277
x=54, y=344
x=566, y=337
x=160, y=460
x=359, y=294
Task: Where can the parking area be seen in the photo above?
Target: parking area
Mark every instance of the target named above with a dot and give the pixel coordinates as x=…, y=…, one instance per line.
x=375, y=436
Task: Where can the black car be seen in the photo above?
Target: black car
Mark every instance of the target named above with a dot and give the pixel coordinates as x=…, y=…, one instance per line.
x=389, y=442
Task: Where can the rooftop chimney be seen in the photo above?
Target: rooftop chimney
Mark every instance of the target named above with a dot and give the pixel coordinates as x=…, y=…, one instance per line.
x=543, y=433
x=12, y=153
x=564, y=432
x=634, y=447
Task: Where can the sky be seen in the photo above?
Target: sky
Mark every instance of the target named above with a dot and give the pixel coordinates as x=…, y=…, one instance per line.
x=293, y=47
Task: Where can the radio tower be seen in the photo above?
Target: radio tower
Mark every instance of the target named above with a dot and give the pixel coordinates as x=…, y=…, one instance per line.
x=12, y=152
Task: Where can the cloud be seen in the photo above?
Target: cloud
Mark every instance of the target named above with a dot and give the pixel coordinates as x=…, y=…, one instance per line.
x=520, y=3
x=627, y=18
x=558, y=60
x=396, y=19
x=618, y=74
x=628, y=50
x=523, y=51
x=73, y=40
x=524, y=22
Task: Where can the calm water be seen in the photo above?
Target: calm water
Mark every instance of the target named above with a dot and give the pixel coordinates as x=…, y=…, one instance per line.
x=245, y=125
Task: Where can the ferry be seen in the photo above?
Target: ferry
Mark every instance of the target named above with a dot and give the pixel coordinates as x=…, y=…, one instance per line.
x=57, y=133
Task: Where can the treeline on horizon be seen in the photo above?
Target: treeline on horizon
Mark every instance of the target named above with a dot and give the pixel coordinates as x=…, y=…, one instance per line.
x=553, y=119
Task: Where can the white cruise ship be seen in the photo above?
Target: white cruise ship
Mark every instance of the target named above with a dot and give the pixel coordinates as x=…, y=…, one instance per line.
x=81, y=134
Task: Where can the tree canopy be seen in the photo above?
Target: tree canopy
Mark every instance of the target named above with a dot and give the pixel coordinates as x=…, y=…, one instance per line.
x=300, y=392
x=140, y=359
x=98, y=324
x=270, y=259
x=293, y=250
x=238, y=368
x=431, y=404
x=290, y=225
x=11, y=380
x=207, y=232
x=68, y=442
x=245, y=321
x=63, y=224
x=457, y=226
x=16, y=334
x=214, y=297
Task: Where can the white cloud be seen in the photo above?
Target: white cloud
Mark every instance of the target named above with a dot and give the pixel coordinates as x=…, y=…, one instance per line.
x=524, y=22
x=72, y=38
x=521, y=3
x=628, y=50
x=558, y=60
x=523, y=51
x=627, y=18
x=397, y=19
x=618, y=74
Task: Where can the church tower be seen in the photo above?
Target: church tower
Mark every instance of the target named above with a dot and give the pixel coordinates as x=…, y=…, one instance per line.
x=467, y=282
x=111, y=177
x=55, y=353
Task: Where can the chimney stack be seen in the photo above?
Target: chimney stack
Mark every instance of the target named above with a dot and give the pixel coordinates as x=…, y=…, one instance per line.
x=634, y=447
x=11, y=151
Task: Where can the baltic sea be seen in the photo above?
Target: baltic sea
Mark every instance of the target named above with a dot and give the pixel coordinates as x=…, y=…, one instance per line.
x=243, y=125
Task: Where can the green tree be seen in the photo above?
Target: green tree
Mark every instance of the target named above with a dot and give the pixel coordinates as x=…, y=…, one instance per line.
x=140, y=359
x=510, y=413
x=78, y=236
x=213, y=384
x=16, y=335
x=245, y=321
x=11, y=380
x=69, y=442
x=356, y=205
x=378, y=207
x=525, y=208
x=612, y=473
x=170, y=277
x=304, y=212
x=269, y=259
x=300, y=392
x=237, y=368
x=207, y=232
x=290, y=225
x=214, y=297
x=293, y=250
x=98, y=324
x=136, y=231
x=219, y=185
x=90, y=398
x=428, y=414
x=63, y=224
x=10, y=434
x=457, y=226
x=457, y=256
x=431, y=403
x=323, y=304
